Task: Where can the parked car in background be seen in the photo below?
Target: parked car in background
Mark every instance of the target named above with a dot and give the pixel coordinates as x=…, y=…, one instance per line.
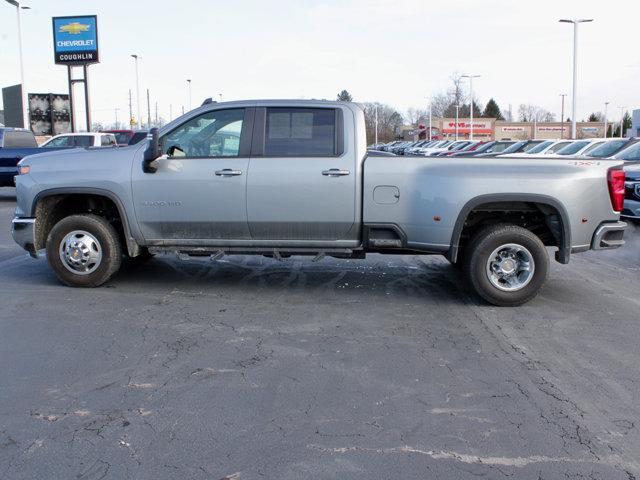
x=582, y=146
x=423, y=144
x=15, y=144
x=128, y=137
x=631, y=210
x=386, y=147
x=437, y=146
x=612, y=147
x=630, y=154
x=489, y=147
x=453, y=148
x=517, y=147
x=83, y=140
x=546, y=147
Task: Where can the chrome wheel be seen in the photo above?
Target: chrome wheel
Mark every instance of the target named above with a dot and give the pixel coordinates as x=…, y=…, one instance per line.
x=510, y=267
x=80, y=252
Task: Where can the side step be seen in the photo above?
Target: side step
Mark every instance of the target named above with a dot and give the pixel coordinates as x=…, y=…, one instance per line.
x=277, y=253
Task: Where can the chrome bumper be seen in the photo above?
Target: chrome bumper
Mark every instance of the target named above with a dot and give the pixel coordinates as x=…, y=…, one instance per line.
x=608, y=235
x=23, y=231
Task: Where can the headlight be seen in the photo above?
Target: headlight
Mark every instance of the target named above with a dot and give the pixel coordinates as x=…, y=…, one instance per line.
x=23, y=169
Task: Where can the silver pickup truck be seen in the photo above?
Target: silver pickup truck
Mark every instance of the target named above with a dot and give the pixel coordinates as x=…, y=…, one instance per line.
x=281, y=178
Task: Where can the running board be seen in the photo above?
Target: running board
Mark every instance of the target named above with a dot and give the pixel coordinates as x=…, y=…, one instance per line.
x=277, y=253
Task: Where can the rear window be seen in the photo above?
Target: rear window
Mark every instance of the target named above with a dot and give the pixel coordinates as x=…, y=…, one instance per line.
x=122, y=138
x=137, y=137
x=300, y=132
x=18, y=139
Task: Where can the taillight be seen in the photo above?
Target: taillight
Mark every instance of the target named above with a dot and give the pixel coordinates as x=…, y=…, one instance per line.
x=615, y=181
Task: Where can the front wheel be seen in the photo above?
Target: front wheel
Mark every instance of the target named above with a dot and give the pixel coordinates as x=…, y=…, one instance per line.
x=506, y=265
x=84, y=250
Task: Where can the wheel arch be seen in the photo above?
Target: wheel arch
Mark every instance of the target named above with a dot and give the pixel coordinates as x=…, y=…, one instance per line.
x=564, y=230
x=133, y=248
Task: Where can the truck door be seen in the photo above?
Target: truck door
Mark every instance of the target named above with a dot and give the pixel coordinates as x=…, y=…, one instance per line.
x=198, y=191
x=302, y=180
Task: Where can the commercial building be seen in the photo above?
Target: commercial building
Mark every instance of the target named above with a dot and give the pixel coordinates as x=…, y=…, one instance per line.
x=491, y=129
x=634, y=131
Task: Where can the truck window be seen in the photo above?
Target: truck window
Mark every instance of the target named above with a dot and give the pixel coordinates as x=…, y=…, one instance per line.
x=107, y=140
x=19, y=139
x=300, y=132
x=59, y=142
x=212, y=134
x=83, y=141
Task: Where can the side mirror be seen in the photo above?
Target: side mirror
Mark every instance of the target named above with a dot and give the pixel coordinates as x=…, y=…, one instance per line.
x=152, y=152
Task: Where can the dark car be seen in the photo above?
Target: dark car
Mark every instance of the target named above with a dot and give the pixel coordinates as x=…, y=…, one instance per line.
x=128, y=137
x=631, y=210
x=517, y=147
x=15, y=144
x=488, y=147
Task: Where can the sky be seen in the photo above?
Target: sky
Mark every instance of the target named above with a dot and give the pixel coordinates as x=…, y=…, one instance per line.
x=398, y=52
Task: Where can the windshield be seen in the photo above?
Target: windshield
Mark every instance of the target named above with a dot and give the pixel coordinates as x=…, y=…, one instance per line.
x=122, y=138
x=573, y=148
x=484, y=148
x=630, y=154
x=540, y=147
x=530, y=145
x=513, y=148
x=558, y=146
x=607, y=148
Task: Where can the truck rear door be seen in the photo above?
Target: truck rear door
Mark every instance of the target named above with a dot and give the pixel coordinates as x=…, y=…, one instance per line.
x=302, y=179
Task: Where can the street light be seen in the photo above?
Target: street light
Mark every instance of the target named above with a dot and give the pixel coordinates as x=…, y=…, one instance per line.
x=23, y=90
x=575, y=68
x=136, y=57
x=562, y=117
x=189, y=83
x=470, y=77
x=457, y=116
x=606, y=104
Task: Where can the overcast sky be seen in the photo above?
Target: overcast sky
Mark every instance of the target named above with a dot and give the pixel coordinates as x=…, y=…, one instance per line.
x=393, y=51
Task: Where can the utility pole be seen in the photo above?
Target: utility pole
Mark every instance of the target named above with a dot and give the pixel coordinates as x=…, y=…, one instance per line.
x=136, y=57
x=606, y=104
x=575, y=22
x=430, y=119
x=562, y=117
x=130, y=110
x=148, y=110
x=470, y=77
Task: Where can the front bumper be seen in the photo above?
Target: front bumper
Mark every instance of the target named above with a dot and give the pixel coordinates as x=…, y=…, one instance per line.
x=23, y=231
x=608, y=235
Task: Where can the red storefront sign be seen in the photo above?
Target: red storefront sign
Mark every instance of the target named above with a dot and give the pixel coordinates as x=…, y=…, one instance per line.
x=465, y=127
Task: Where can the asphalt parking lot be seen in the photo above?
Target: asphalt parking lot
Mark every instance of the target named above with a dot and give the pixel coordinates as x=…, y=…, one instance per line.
x=251, y=368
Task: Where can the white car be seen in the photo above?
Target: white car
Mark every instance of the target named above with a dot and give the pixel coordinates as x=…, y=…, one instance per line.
x=88, y=139
x=582, y=146
x=441, y=146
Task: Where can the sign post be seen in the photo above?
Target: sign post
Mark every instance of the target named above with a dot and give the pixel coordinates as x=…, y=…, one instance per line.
x=75, y=44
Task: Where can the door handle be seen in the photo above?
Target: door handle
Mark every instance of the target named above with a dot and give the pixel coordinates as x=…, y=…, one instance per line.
x=228, y=172
x=335, y=172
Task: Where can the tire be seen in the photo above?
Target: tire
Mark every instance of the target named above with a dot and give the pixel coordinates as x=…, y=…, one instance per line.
x=95, y=239
x=506, y=281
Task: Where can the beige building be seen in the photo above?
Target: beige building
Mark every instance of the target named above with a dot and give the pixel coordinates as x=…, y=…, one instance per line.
x=491, y=129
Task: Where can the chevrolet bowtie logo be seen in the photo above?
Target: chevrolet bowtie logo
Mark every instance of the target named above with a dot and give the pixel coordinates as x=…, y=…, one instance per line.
x=74, y=28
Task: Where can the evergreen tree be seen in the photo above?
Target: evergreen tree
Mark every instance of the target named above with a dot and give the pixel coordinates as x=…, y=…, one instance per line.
x=492, y=110
x=345, y=96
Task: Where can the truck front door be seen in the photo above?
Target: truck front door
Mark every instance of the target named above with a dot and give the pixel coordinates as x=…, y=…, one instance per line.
x=302, y=178
x=198, y=191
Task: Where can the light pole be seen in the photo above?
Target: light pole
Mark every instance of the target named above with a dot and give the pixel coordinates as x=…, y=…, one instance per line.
x=562, y=117
x=470, y=77
x=430, y=119
x=116, y=111
x=136, y=57
x=621, y=119
x=606, y=104
x=457, y=116
x=189, y=84
x=23, y=91
x=575, y=22
x=375, y=121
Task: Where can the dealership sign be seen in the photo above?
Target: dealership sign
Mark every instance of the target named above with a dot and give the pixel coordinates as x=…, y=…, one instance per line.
x=551, y=129
x=75, y=40
x=513, y=129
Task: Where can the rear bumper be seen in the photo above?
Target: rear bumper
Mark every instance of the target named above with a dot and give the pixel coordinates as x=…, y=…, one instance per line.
x=608, y=235
x=23, y=231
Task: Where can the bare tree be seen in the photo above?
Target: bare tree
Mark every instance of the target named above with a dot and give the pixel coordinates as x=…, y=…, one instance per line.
x=416, y=116
x=390, y=122
x=533, y=113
